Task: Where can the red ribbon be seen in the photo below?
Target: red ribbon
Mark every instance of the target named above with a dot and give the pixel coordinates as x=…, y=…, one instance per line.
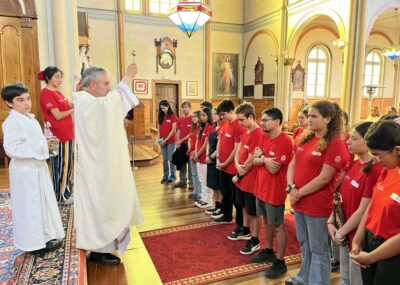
x=40, y=76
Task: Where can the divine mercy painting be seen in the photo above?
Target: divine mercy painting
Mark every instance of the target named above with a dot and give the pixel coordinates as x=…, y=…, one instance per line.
x=225, y=74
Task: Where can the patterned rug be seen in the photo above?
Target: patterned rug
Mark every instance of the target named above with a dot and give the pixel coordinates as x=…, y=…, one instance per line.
x=64, y=266
x=201, y=253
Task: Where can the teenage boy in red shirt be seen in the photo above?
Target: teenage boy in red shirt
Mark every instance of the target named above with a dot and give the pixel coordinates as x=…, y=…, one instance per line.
x=230, y=134
x=272, y=159
x=244, y=179
x=183, y=133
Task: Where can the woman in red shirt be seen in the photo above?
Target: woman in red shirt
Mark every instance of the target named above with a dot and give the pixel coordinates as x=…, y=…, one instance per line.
x=302, y=119
x=356, y=192
x=57, y=111
x=194, y=133
x=312, y=173
x=166, y=128
x=376, y=245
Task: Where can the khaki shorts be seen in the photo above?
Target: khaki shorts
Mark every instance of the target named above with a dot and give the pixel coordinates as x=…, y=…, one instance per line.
x=274, y=214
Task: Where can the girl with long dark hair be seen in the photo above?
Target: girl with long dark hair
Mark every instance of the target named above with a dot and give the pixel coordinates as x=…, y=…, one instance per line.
x=194, y=133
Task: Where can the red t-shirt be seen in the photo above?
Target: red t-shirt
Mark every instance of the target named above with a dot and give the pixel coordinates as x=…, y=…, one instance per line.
x=50, y=99
x=309, y=162
x=268, y=187
x=166, y=127
x=184, y=124
x=248, y=144
x=229, y=134
x=193, y=139
x=357, y=185
x=206, y=133
x=384, y=209
x=297, y=132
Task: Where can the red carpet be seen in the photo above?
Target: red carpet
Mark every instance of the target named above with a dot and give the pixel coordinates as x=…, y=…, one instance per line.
x=201, y=253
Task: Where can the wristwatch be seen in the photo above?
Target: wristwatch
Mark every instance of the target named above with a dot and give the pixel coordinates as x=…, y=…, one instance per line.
x=290, y=187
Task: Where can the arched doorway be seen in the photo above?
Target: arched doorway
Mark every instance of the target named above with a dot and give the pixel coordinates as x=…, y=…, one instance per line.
x=19, y=59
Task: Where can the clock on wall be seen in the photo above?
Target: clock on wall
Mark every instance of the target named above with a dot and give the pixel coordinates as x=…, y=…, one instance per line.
x=166, y=53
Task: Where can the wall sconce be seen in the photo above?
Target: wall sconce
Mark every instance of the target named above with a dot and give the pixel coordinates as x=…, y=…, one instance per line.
x=339, y=43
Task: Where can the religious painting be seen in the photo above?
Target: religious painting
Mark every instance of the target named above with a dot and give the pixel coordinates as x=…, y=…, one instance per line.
x=298, y=75
x=225, y=74
x=191, y=88
x=140, y=86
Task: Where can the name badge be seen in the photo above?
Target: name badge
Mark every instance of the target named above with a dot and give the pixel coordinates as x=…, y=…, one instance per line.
x=246, y=146
x=271, y=153
x=203, y=134
x=228, y=135
x=395, y=197
x=189, y=125
x=355, y=184
x=168, y=121
x=316, y=153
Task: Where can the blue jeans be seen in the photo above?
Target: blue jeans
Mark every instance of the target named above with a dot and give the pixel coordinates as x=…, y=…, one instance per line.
x=196, y=181
x=169, y=169
x=312, y=235
x=182, y=174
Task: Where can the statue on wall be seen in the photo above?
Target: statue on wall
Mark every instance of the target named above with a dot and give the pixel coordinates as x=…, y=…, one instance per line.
x=259, y=72
x=298, y=74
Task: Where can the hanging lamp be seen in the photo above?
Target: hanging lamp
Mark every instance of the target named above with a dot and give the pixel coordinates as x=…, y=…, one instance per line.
x=393, y=52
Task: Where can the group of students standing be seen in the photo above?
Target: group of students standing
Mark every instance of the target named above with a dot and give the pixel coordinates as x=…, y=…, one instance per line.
x=253, y=166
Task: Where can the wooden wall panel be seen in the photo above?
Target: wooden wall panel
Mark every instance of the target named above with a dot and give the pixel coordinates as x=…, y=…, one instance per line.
x=260, y=105
x=149, y=121
x=382, y=103
x=216, y=101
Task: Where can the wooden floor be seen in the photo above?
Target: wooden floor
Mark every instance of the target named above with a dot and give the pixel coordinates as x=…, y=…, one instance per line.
x=163, y=206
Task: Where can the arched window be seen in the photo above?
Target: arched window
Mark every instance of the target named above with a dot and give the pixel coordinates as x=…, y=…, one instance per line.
x=373, y=70
x=133, y=5
x=318, y=61
x=161, y=6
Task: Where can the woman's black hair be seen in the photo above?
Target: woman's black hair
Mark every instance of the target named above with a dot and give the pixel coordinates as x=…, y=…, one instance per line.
x=388, y=117
x=362, y=129
x=209, y=121
x=383, y=135
x=161, y=114
x=49, y=72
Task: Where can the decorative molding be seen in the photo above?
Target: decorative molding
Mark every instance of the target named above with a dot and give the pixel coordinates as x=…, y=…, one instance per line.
x=304, y=5
x=100, y=14
x=227, y=27
x=262, y=21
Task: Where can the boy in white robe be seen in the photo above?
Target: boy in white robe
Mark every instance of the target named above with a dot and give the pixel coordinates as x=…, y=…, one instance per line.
x=106, y=201
x=37, y=222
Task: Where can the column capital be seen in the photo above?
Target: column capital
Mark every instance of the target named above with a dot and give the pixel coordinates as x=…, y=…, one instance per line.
x=289, y=61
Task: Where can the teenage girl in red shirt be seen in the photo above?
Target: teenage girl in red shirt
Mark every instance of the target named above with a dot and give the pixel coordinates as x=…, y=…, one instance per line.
x=376, y=245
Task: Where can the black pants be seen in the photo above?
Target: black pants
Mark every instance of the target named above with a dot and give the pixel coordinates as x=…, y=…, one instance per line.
x=228, y=189
x=385, y=272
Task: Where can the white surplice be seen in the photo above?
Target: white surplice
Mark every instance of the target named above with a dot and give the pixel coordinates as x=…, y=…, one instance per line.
x=106, y=201
x=36, y=217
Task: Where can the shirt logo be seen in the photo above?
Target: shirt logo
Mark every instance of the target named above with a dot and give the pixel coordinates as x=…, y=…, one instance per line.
x=189, y=125
x=300, y=148
x=283, y=158
x=246, y=147
x=228, y=135
x=354, y=183
x=49, y=105
x=338, y=159
x=380, y=187
x=271, y=153
x=168, y=121
x=316, y=153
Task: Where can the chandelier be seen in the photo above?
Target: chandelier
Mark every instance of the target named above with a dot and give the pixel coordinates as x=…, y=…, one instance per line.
x=393, y=51
x=190, y=16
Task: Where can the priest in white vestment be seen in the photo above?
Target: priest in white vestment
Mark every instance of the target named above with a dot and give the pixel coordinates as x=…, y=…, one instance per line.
x=37, y=224
x=106, y=201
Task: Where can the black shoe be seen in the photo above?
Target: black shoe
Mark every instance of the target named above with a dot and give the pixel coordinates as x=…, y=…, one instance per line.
x=217, y=214
x=163, y=181
x=276, y=270
x=169, y=182
x=251, y=246
x=104, y=258
x=192, y=195
x=293, y=281
x=210, y=211
x=221, y=221
x=180, y=185
x=240, y=235
x=53, y=245
x=263, y=256
x=335, y=265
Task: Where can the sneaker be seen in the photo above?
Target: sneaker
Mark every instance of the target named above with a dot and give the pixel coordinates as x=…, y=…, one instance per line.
x=163, y=181
x=221, y=221
x=335, y=265
x=237, y=229
x=217, y=214
x=240, y=235
x=210, y=211
x=263, y=256
x=291, y=211
x=203, y=205
x=251, y=246
x=169, y=182
x=180, y=185
x=276, y=270
x=293, y=281
x=197, y=202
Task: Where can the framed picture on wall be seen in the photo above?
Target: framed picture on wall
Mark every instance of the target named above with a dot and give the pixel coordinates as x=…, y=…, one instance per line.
x=140, y=86
x=191, y=88
x=225, y=74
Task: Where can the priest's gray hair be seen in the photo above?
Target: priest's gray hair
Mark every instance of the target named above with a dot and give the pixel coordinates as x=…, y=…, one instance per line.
x=92, y=74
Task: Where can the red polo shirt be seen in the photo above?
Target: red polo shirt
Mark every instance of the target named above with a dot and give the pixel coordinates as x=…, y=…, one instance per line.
x=309, y=162
x=50, y=99
x=166, y=127
x=229, y=134
x=248, y=143
x=384, y=209
x=184, y=124
x=357, y=185
x=268, y=187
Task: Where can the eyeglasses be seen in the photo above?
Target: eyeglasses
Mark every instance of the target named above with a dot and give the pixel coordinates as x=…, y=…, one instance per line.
x=379, y=157
x=266, y=120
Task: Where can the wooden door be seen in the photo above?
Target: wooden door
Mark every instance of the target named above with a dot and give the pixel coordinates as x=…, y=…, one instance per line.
x=19, y=58
x=167, y=92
